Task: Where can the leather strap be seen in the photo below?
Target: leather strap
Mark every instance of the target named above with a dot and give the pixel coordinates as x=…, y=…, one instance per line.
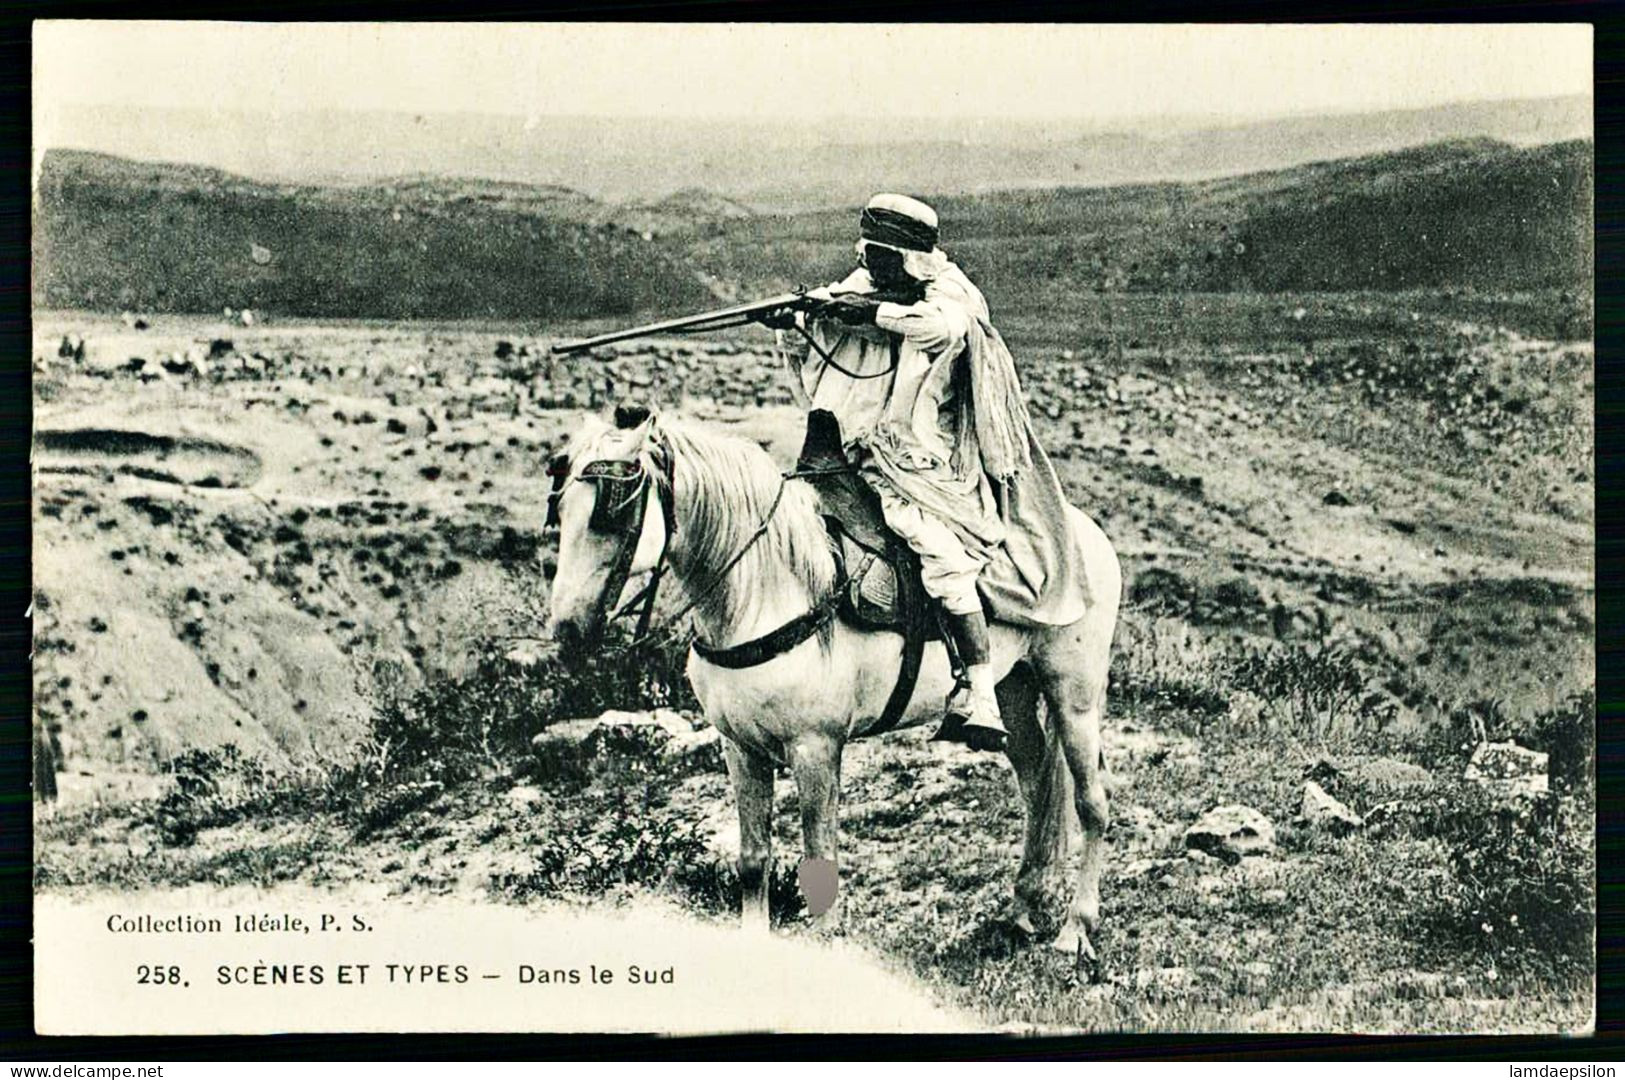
x=914, y=634
x=775, y=643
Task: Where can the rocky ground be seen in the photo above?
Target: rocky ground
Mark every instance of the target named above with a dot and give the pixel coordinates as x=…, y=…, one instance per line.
x=1373, y=550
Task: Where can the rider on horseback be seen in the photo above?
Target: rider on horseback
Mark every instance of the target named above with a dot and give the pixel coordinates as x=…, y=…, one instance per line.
x=933, y=418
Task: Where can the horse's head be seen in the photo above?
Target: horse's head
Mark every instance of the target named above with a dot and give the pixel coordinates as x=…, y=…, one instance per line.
x=611, y=503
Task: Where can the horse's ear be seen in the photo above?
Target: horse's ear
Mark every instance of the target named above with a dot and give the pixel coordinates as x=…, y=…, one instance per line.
x=628, y=417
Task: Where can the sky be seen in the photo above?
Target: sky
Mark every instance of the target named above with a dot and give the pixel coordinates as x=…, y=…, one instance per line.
x=759, y=70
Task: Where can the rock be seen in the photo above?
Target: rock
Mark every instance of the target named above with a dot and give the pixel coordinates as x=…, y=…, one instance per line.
x=1508, y=769
x=1392, y=774
x=1335, y=498
x=1324, y=812
x=697, y=751
x=563, y=733
x=1150, y=869
x=522, y=795
x=1230, y=832
x=657, y=726
x=672, y=723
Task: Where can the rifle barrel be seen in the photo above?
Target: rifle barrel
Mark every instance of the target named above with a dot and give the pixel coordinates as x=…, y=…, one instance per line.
x=687, y=322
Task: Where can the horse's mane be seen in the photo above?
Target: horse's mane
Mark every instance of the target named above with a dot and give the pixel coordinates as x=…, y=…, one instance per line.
x=723, y=489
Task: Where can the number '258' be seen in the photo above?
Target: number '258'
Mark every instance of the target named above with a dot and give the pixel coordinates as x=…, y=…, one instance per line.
x=155, y=975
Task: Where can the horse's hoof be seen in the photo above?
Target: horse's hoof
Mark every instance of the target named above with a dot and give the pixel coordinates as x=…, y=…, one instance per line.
x=824, y=929
x=981, y=738
x=1075, y=943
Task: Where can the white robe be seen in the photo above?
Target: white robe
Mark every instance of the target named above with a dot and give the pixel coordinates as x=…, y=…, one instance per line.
x=911, y=435
x=902, y=428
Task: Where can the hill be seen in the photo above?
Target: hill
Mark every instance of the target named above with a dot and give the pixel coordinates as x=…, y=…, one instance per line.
x=1498, y=217
x=111, y=233
x=1476, y=213
x=1469, y=213
x=786, y=165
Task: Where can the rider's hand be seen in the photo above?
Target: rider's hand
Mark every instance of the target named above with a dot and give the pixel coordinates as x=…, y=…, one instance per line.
x=778, y=319
x=851, y=309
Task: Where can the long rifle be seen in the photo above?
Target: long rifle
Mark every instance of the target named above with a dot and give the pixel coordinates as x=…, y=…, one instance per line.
x=724, y=318
x=721, y=319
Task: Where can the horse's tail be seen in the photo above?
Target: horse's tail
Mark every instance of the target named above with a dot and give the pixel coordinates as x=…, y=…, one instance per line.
x=1053, y=800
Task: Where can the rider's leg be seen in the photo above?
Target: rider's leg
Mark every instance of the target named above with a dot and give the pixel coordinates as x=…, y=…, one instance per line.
x=973, y=709
x=949, y=574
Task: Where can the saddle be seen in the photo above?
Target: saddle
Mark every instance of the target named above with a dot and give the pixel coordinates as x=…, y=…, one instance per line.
x=880, y=586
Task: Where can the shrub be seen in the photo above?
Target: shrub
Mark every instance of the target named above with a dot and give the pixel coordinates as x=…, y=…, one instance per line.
x=714, y=885
x=453, y=727
x=1325, y=690
x=1164, y=665
x=422, y=741
x=600, y=840
x=627, y=843
x=1522, y=885
x=387, y=804
x=210, y=788
x=1567, y=734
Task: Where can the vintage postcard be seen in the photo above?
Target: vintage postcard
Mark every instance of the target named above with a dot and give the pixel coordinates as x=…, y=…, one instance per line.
x=835, y=528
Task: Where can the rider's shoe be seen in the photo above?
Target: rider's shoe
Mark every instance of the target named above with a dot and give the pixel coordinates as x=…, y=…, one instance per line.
x=973, y=713
x=973, y=707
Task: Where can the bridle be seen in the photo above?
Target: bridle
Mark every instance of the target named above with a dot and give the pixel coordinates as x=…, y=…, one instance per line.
x=620, y=506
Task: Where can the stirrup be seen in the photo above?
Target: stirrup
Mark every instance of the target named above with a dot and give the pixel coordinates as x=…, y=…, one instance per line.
x=960, y=724
x=957, y=711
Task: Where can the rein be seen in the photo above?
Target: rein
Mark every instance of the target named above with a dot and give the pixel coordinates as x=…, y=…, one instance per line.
x=749, y=653
x=830, y=360
x=644, y=634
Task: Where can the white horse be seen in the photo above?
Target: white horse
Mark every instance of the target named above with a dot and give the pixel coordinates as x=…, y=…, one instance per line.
x=750, y=550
